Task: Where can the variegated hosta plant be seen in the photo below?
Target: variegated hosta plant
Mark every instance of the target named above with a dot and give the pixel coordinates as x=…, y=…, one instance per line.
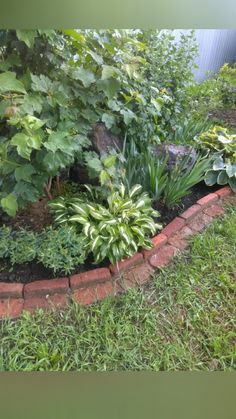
x=116, y=230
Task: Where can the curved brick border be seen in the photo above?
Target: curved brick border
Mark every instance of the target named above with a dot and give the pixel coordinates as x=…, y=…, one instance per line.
x=88, y=287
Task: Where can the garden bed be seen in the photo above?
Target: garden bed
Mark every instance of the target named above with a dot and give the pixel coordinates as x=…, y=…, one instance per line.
x=36, y=217
x=94, y=285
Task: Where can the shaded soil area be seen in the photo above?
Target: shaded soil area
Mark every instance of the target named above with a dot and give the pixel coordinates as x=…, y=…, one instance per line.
x=226, y=115
x=36, y=217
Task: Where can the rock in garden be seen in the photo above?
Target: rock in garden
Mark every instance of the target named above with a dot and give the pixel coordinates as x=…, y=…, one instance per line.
x=175, y=153
x=102, y=139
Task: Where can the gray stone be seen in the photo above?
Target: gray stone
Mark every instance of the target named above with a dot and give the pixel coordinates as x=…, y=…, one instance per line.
x=102, y=139
x=175, y=153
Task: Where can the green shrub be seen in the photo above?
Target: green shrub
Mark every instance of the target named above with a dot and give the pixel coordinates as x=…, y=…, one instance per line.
x=24, y=246
x=61, y=249
x=5, y=241
x=115, y=230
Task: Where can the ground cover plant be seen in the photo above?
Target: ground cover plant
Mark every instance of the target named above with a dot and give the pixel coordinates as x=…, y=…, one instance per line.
x=183, y=320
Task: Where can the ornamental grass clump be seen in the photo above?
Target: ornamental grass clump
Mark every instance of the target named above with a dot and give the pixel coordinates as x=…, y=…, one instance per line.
x=115, y=230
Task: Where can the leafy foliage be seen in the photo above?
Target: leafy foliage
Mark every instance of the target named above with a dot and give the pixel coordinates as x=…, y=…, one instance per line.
x=222, y=145
x=115, y=230
x=61, y=249
x=54, y=85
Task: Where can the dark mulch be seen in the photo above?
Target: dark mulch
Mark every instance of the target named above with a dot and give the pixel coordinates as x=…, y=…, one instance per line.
x=226, y=115
x=37, y=217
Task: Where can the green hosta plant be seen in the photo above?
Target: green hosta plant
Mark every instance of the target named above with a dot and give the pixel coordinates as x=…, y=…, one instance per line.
x=223, y=145
x=218, y=139
x=223, y=172
x=115, y=230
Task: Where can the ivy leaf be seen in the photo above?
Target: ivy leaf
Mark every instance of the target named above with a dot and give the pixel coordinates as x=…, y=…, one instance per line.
x=55, y=161
x=9, y=205
x=25, y=144
x=113, y=105
x=24, y=172
x=108, y=119
x=110, y=87
x=86, y=76
x=27, y=36
x=9, y=82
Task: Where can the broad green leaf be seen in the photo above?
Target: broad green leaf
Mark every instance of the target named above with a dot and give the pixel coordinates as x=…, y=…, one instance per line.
x=232, y=184
x=95, y=164
x=32, y=103
x=108, y=72
x=109, y=161
x=231, y=169
x=24, y=172
x=222, y=178
x=96, y=57
x=27, y=36
x=109, y=86
x=9, y=83
x=87, y=77
x=109, y=120
x=128, y=115
x=26, y=143
x=104, y=177
x=211, y=177
x=41, y=83
x=9, y=205
x=218, y=164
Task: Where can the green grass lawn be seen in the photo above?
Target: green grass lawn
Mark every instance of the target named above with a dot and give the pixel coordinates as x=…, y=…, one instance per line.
x=184, y=320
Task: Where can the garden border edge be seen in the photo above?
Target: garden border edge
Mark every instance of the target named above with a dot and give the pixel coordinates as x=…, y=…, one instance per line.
x=88, y=287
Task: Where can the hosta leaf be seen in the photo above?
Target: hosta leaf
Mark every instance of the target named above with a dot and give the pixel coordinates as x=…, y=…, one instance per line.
x=231, y=169
x=9, y=205
x=222, y=178
x=211, y=177
x=218, y=164
x=135, y=190
x=9, y=83
x=78, y=219
x=232, y=184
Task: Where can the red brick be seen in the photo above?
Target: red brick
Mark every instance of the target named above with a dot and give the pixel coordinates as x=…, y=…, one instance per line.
x=11, y=308
x=223, y=192
x=157, y=241
x=136, y=276
x=46, y=303
x=199, y=223
x=89, y=278
x=191, y=212
x=208, y=199
x=14, y=290
x=183, y=233
x=181, y=244
x=85, y=296
x=214, y=210
x=126, y=263
x=46, y=287
x=163, y=257
x=173, y=226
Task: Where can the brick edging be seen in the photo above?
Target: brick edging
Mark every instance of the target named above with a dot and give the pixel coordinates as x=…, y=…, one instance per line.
x=94, y=285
